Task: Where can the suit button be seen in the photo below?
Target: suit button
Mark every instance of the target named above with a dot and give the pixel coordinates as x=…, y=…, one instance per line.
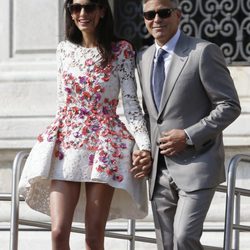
x=160, y=121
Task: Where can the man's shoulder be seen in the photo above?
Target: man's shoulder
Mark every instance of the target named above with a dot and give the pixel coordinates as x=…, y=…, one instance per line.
x=144, y=51
x=195, y=45
x=197, y=41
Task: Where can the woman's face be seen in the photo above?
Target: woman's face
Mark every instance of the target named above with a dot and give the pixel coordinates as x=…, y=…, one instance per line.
x=86, y=15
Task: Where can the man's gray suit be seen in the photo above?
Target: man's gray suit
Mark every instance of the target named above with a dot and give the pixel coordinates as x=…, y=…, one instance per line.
x=198, y=96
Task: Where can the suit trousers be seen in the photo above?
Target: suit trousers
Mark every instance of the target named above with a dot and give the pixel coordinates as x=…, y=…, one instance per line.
x=178, y=215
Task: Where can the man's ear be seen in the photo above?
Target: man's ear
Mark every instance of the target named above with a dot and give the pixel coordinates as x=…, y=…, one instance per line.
x=178, y=13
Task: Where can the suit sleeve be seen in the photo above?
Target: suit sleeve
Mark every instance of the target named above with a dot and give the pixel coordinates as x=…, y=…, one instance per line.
x=220, y=89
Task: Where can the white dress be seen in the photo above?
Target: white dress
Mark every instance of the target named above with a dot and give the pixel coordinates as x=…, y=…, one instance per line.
x=87, y=142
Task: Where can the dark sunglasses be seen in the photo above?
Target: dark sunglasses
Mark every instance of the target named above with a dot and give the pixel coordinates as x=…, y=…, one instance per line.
x=76, y=8
x=162, y=13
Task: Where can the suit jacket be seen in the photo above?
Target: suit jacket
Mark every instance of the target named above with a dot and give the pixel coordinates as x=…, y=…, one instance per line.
x=199, y=96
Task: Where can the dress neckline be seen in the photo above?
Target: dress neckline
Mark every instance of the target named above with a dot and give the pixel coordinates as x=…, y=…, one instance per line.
x=81, y=47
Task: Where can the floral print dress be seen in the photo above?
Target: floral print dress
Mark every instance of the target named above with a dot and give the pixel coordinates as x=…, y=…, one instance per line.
x=87, y=142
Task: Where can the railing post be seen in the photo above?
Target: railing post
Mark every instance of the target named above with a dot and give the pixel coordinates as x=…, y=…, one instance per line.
x=237, y=222
x=231, y=178
x=131, y=232
x=14, y=217
x=231, y=174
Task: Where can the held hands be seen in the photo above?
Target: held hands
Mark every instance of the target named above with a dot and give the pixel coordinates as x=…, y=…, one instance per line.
x=172, y=142
x=142, y=163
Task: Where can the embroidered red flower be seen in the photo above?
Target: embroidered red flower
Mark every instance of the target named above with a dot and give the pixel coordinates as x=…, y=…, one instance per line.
x=89, y=62
x=119, y=178
x=109, y=171
x=86, y=95
x=78, y=89
x=40, y=138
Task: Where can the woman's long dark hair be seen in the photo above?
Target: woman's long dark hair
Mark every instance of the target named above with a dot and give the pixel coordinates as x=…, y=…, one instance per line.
x=104, y=32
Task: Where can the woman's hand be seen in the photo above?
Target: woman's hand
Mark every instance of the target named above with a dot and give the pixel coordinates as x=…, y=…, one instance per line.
x=142, y=163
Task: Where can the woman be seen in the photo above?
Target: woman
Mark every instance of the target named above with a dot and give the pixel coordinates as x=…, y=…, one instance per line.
x=82, y=163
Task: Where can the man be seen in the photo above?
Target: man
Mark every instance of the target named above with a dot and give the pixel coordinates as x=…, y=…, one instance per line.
x=189, y=99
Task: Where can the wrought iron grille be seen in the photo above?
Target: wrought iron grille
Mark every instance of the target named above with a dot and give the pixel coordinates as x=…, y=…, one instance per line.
x=224, y=22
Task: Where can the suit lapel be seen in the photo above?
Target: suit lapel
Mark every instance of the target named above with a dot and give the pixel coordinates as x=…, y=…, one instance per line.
x=179, y=59
x=148, y=61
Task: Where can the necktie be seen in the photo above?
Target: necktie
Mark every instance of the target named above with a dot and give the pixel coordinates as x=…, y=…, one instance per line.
x=159, y=77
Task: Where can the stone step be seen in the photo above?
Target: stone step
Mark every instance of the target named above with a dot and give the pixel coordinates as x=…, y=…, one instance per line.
x=40, y=240
x=26, y=71
x=14, y=65
x=212, y=248
x=28, y=76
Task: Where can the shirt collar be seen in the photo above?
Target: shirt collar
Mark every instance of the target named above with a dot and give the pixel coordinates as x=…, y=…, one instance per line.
x=170, y=45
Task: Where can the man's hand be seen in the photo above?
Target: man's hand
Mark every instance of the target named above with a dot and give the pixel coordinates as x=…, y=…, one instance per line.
x=172, y=142
x=142, y=163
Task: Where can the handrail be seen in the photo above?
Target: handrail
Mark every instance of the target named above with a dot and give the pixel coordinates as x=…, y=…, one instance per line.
x=15, y=198
x=231, y=192
x=16, y=171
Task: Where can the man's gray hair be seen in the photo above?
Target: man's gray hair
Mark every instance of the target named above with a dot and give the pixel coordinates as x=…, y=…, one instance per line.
x=175, y=3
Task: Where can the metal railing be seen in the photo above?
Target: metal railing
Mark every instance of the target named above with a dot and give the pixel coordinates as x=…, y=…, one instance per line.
x=15, y=221
x=234, y=193
x=229, y=227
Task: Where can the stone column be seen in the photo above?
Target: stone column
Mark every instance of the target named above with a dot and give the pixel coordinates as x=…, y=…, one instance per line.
x=5, y=17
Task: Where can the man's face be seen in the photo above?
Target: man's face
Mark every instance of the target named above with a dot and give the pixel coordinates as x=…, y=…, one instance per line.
x=161, y=28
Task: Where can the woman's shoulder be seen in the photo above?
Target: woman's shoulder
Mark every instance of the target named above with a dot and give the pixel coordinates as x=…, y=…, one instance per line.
x=65, y=44
x=123, y=47
x=124, y=44
x=61, y=45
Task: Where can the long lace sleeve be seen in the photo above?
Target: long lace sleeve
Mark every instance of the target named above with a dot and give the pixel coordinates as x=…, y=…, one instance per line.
x=132, y=109
x=60, y=95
